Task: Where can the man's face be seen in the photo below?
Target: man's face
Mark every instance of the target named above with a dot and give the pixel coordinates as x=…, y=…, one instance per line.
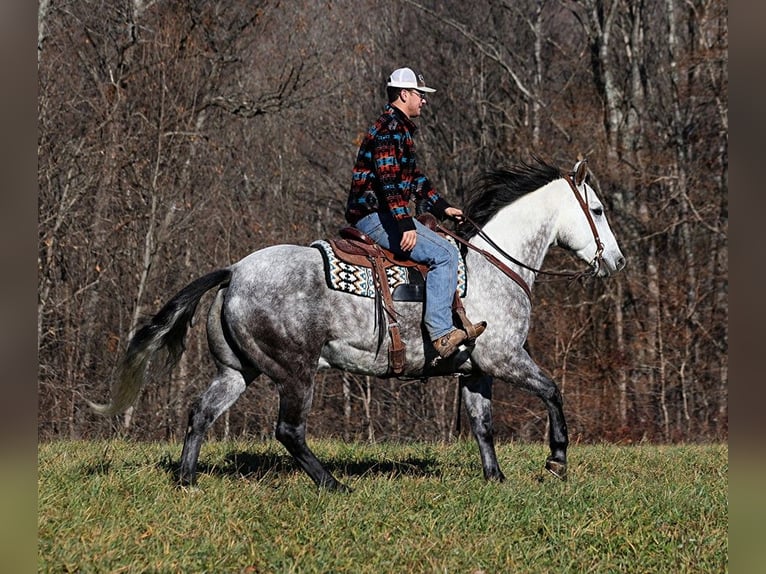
x=413, y=101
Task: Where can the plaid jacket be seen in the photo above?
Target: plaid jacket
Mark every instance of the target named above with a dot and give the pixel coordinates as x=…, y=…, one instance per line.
x=386, y=175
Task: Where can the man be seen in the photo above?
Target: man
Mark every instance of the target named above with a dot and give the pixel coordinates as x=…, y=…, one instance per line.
x=385, y=178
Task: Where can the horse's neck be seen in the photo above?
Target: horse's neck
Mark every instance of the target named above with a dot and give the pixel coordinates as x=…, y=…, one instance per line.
x=525, y=230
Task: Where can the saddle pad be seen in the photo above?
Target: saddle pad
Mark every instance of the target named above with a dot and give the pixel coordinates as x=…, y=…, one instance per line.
x=358, y=280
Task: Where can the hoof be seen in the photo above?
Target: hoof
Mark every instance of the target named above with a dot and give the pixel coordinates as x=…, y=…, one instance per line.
x=557, y=469
x=335, y=486
x=495, y=477
x=190, y=489
x=186, y=481
x=187, y=486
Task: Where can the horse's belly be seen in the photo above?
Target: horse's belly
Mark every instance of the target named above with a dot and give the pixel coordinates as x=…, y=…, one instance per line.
x=346, y=357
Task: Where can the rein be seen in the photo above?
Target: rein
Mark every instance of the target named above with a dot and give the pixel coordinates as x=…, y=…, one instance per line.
x=572, y=275
x=489, y=257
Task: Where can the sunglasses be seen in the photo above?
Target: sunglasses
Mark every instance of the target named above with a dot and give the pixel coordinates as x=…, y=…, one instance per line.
x=421, y=95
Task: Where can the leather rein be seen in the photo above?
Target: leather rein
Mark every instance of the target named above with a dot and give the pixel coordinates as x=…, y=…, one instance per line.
x=593, y=266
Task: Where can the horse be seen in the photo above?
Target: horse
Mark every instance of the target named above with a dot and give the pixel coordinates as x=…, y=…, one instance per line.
x=275, y=315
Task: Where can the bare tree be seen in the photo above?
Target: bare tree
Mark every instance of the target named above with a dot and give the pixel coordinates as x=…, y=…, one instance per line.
x=175, y=138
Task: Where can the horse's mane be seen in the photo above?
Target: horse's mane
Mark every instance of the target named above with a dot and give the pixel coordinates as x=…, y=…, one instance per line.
x=495, y=189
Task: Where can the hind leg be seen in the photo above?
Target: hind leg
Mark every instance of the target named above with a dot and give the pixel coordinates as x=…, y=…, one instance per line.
x=225, y=389
x=477, y=398
x=294, y=406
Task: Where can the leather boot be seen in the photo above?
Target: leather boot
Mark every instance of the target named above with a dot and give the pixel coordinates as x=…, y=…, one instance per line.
x=473, y=330
x=447, y=344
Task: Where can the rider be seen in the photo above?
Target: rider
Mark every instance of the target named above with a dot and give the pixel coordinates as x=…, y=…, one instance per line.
x=385, y=177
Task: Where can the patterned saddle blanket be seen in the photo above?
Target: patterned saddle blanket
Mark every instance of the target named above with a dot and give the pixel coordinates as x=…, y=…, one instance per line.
x=406, y=283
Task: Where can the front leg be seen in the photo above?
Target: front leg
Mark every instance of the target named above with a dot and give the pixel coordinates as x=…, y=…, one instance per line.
x=556, y=463
x=477, y=397
x=527, y=375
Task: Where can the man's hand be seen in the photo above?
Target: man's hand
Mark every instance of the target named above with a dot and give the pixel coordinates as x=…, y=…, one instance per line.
x=409, y=238
x=454, y=213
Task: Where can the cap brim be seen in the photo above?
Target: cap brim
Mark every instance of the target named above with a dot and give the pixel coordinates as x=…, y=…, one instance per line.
x=408, y=86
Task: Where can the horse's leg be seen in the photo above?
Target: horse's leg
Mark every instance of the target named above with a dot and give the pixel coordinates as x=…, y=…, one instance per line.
x=223, y=392
x=295, y=398
x=556, y=463
x=535, y=381
x=232, y=379
x=477, y=397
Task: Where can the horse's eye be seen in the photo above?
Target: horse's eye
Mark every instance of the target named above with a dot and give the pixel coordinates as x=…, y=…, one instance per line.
x=598, y=211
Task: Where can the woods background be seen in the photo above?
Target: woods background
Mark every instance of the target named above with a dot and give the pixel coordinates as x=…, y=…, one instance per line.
x=177, y=137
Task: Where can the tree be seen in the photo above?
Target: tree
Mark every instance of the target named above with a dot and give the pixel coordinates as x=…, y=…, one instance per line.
x=176, y=138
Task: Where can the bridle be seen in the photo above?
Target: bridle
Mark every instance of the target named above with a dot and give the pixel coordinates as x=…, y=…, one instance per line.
x=593, y=266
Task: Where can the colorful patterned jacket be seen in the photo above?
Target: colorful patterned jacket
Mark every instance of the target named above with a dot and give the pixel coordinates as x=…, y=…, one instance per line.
x=386, y=175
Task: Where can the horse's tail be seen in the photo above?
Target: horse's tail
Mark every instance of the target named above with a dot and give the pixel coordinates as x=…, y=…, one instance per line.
x=166, y=330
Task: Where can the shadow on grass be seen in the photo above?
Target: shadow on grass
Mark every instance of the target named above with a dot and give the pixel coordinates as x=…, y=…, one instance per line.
x=242, y=464
x=100, y=468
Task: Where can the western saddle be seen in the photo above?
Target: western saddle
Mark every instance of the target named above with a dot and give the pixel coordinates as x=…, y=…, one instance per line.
x=356, y=248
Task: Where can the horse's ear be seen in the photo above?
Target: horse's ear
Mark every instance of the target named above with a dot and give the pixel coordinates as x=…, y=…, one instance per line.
x=580, y=171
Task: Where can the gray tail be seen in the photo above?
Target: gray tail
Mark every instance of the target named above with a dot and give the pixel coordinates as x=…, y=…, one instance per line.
x=167, y=330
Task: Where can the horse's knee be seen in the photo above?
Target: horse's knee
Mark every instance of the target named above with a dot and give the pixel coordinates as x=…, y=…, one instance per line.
x=546, y=389
x=481, y=423
x=479, y=409
x=554, y=392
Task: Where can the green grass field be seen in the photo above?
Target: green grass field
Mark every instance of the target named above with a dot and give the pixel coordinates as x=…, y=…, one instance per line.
x=112, y=507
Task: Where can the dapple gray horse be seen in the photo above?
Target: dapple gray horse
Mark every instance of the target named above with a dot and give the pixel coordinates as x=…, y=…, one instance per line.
x=275, y=315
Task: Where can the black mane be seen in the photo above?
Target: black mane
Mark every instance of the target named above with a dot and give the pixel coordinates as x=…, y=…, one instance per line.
x=497, y=188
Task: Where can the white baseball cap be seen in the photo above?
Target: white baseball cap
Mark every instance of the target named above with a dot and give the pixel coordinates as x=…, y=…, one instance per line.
x=406, y=78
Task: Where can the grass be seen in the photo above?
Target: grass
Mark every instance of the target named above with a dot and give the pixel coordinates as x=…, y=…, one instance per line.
x=112, y=507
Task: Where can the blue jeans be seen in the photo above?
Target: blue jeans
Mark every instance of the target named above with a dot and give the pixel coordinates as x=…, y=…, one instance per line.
x=440, y=255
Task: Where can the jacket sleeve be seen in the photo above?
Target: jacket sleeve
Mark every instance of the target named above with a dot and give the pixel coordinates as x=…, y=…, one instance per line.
x=425, y=193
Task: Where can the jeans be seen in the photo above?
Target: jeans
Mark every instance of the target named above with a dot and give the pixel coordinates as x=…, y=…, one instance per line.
x=440, y=255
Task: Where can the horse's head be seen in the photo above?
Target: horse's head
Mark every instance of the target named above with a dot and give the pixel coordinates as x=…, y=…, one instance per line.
x=584, y=228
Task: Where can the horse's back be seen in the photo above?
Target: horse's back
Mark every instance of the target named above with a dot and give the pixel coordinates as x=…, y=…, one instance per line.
x=275, y=262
